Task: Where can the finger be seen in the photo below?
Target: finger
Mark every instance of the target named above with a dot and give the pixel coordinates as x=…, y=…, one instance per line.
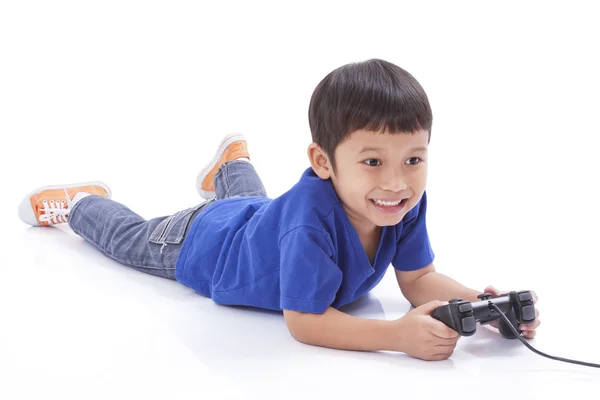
x=536, y=322
x=535, y=296
x=442, y=355
x=449, y=335
x=433, y=357
x=491, y=289
x=529, y=334
x=529, y=327
x=443, y=348
x=429, y=307
x=445, y=342
x=441, y=331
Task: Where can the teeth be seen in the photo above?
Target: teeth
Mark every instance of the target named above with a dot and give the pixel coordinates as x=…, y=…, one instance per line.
x=386, y=203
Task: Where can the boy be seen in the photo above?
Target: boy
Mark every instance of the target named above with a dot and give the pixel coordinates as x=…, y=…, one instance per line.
x=360, y=207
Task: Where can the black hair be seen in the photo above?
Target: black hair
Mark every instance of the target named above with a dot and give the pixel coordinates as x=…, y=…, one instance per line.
x=374, y=95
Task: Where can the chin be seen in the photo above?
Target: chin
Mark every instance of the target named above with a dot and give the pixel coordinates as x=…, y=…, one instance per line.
x=390, y=221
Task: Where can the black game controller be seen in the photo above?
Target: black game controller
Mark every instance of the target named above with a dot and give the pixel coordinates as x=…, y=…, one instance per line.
x=462, y=315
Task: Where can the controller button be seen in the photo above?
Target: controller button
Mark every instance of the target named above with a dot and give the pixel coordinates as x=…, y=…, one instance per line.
x=525, y=296
x=468, y=324
x=464, y=308
x=528, y=313
x=457, y=300
x=484, y=296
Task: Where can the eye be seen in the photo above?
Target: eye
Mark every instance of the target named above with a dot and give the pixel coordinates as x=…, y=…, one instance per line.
x=413, y=161
x=372, y=162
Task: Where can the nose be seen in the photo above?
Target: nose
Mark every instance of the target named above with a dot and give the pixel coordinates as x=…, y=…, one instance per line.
x=393, y=180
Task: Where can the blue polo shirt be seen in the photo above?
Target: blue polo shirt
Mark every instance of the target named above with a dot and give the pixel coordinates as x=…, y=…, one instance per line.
x=296, y=252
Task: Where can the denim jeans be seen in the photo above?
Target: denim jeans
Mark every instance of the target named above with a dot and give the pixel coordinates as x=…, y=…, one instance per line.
x=152, y=246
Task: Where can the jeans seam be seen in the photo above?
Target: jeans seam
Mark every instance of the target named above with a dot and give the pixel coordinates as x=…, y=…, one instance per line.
x=147, y=267
x=226, y=177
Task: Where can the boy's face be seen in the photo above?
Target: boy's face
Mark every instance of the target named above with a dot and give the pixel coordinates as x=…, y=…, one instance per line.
x=380, y=177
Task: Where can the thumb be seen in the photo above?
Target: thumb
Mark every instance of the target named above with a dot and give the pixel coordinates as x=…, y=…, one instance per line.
x=492, y=290
x=429, y=307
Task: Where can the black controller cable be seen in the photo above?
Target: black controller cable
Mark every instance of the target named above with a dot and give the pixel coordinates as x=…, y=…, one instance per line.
x=514, y=330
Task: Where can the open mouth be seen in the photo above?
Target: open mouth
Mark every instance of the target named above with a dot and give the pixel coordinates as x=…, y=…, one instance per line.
x=382, y=203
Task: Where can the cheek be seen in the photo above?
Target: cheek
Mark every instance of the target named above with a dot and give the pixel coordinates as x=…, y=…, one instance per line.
x=363, y=186
x=418, y=179
x=357, y=182
x=349, y=187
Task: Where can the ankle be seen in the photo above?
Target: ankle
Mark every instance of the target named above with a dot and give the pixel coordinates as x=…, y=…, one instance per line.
x=79, y=196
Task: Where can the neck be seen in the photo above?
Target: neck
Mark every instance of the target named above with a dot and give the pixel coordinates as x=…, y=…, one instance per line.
x=363, y=226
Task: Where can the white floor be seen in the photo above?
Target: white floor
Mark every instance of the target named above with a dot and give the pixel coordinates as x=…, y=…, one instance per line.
x=82, y=326
x=139, y=95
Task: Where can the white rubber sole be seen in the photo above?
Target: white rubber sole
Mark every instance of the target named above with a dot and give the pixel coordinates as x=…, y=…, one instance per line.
x=227, y=140
x=26, y=211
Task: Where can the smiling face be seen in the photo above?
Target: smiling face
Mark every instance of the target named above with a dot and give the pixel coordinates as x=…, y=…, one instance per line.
x=379, y=177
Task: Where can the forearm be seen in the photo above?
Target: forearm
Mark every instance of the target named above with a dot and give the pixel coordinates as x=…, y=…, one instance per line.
x=436, y=286
x=338, y=330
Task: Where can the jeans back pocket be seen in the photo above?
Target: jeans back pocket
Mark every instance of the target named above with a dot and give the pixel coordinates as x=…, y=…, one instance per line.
x=172, y=229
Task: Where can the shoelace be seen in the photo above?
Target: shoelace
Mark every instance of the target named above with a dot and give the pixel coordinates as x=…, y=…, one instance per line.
x=55, y=213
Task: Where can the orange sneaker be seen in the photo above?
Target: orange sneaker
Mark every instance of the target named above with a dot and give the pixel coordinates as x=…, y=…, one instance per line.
x=232, y=147
x=50, y=205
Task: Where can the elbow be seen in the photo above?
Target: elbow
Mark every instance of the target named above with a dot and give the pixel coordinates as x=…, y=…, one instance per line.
x=298, y=325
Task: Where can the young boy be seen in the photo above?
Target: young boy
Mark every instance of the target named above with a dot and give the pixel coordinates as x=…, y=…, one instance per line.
x=329, y=240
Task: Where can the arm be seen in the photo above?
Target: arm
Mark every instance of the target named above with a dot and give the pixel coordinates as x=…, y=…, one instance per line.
x=416, y=333
x=335, y=329
x=309, y=282
x=425, y=284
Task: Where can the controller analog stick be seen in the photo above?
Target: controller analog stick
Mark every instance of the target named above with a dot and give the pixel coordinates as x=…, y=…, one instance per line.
x=484, y=296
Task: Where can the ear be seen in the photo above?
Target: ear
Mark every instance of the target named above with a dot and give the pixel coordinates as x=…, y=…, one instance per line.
x=319, y=161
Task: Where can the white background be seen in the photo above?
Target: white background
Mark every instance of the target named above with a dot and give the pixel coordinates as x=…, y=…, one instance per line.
x=139, y=93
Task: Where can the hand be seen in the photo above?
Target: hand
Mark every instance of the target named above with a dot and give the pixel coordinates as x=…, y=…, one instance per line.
x=425, y=337
x=528, y=331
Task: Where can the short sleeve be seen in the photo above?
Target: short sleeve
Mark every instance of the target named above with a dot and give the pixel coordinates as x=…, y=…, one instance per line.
x=309, y=277
x=413, y=250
